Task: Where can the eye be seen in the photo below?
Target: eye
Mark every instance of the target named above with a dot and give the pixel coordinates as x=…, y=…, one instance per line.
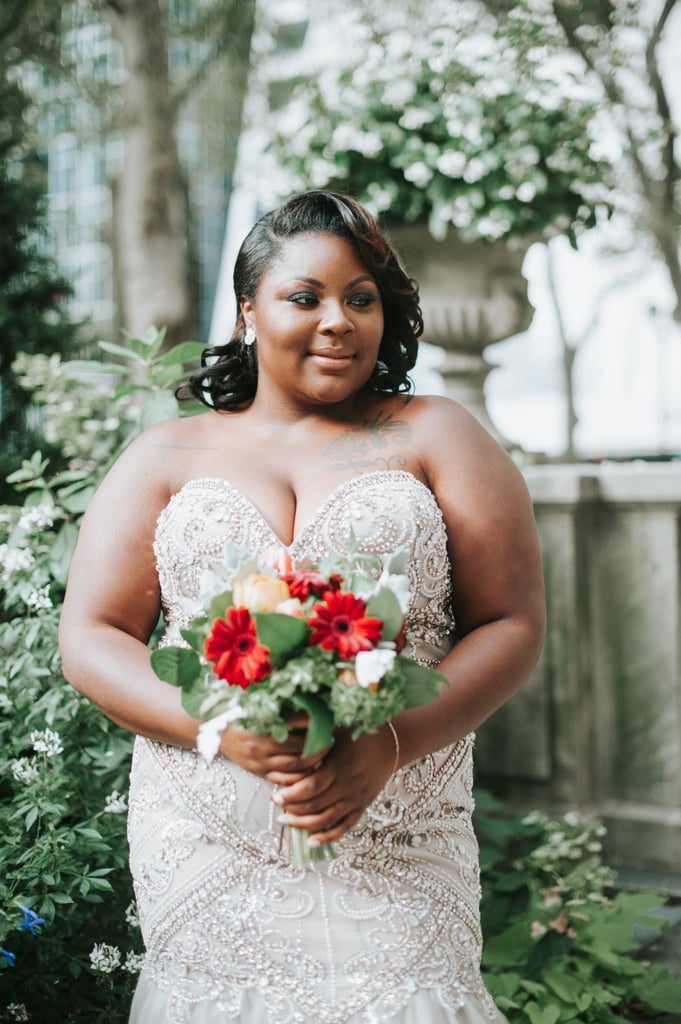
x=363, y=299
x=304, y=298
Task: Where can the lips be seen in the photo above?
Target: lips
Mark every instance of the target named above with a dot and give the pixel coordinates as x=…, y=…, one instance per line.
x=332, y=354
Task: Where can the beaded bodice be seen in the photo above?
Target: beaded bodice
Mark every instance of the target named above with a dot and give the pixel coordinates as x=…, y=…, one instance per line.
x=386, y=511
x=223, y=912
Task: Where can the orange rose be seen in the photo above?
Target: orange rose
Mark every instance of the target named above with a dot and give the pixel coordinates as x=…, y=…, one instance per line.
x=260, y=592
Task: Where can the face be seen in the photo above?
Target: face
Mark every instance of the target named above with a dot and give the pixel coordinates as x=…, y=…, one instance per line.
x=318, y=318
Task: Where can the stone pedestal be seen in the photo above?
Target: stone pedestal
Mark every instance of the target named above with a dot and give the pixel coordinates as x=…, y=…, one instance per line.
x=472, y=296
x=598, y=726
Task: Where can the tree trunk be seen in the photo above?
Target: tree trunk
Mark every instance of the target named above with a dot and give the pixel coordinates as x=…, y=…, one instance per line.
x=150, y=207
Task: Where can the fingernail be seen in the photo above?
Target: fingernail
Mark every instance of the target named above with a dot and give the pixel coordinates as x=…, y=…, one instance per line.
x=313, y=843
x=278, y=799
x=283, y=819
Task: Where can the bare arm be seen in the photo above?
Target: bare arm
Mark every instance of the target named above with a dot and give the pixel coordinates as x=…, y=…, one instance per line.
x=497, y=581
x=112, y=605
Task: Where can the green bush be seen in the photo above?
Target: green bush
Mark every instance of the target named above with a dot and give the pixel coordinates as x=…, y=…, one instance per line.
x=559, y=939
x=68, y=922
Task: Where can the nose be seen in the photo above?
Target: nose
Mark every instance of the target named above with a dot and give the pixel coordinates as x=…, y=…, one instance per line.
x=335, y=318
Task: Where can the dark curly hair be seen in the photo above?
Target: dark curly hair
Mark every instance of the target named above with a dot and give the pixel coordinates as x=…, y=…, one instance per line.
x=229, y=373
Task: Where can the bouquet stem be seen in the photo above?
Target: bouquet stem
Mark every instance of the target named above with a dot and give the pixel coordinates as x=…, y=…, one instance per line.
x=299, y=852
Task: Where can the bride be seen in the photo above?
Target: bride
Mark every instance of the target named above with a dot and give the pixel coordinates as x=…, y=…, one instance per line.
x=310, y=434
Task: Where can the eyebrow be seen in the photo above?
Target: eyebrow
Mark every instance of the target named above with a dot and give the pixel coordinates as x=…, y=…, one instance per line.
x=320, y=284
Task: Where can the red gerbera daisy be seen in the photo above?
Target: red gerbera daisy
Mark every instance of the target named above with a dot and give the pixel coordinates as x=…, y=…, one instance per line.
x=303, y=582
x=340, y=625
x=232, y=645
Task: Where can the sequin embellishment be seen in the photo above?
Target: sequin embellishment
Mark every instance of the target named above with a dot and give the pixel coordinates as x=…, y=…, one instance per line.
x=222, y=913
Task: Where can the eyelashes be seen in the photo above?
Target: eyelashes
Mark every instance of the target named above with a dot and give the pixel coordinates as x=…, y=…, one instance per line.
x=359, y=300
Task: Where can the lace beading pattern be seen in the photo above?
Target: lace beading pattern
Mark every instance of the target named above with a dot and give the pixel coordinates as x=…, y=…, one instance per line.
x=221, y=910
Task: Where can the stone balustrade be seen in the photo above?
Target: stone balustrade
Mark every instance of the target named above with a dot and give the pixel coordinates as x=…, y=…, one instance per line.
x=598, y=726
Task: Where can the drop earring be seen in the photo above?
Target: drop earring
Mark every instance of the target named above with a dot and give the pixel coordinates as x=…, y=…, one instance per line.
x=249, y=337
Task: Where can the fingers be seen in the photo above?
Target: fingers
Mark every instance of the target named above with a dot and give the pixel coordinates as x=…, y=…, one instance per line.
x=337, y=831
x=301, y=794
x=330, y=801
x=332, y=819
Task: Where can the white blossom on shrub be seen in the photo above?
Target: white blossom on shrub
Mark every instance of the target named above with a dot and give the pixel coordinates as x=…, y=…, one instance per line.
x=37, y=517
x=15, y=560
x=24, y=770
x=46, y=742
x=134, y=962
x=17, y=1011
x=105, y=959
x=116, y=803
x=39, y=599
x=465, y=134
x=132, y=916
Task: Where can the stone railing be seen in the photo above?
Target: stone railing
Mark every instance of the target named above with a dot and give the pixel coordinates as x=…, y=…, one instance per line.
x=598, y=726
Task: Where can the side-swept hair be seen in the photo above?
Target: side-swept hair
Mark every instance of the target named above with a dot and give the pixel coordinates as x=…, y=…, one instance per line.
x=229, y=373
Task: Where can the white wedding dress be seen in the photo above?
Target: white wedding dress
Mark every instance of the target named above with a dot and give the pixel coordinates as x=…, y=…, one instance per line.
x=387, y=932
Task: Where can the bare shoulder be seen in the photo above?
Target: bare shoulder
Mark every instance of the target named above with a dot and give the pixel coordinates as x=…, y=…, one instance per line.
x=464, y=465
x=141, y=481
x=156, y=456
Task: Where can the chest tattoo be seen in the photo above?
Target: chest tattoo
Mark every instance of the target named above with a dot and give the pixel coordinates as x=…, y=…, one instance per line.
x=375, y=443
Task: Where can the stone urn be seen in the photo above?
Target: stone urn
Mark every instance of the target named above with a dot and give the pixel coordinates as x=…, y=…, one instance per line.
x=472, y=295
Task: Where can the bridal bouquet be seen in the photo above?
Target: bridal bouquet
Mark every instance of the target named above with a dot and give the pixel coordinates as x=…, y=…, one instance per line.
x=268, y=640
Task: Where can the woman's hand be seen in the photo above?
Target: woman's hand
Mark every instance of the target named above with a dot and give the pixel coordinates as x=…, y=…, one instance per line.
x=279, y=763
x=330, y=800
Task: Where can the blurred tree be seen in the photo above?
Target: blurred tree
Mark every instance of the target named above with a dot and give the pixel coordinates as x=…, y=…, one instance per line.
x=620, y=47
x=171, y=64
x=32, y=314
x=151, y=224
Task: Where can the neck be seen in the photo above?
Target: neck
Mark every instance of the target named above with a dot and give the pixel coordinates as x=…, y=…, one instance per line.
x=282, y=413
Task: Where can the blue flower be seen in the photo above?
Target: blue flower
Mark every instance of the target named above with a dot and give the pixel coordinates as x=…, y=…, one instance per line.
x=9, y=957
x=31, y=920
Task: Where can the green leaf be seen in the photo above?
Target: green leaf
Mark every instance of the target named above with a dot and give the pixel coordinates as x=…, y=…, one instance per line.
x=506, y=984
x=398, y=563
x=422, y=684
x=549, y=946
x=511, y=881
x=70, y=476
x=118, y=350
x=542, y=1015
x=176, y=665
x=320, y=730
x=219, y=605
x=78, y=500
x=157, y=406
x=281, y=634
x=61, y=551
x=87, y=833
x=385, y=606
x=565, y=985
x=76, y=368
x=194, y=696
x=195, y=637
x=165, y=375
x=509, y=947
x=185, y=352
x=662, y=993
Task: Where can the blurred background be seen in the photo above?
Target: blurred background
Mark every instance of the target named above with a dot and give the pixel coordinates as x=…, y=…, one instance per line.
x=524, y=159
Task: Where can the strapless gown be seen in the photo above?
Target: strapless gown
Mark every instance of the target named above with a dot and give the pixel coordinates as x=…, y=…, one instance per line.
x=387, y=932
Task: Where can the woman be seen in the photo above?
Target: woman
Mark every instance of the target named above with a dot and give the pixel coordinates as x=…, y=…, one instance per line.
x=310, y=433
